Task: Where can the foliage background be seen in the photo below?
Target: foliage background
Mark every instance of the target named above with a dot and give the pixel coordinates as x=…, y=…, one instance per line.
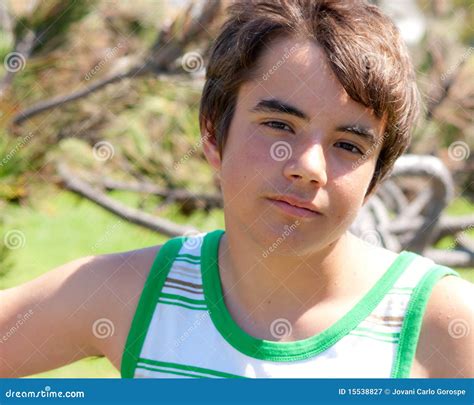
x=152, y=123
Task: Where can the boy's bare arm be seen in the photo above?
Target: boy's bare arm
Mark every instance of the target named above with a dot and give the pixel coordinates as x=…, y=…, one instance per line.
x=81, y=309
x=446, y=344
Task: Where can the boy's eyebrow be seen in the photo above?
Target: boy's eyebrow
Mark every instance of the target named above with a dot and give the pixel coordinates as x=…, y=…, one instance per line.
x=278, y=106
x=364, y=132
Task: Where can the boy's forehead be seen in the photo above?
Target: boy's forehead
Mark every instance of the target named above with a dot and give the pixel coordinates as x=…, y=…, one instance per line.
x=287, y=55
x=298, y=73
x=298, y=70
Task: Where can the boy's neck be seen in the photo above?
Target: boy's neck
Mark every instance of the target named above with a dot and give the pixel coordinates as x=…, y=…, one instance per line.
x=286, y=286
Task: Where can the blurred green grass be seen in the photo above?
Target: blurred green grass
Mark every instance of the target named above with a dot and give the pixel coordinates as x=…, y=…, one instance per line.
x=60, y=227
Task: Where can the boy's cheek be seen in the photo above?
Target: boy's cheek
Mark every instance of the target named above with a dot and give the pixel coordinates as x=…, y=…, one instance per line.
x=346, y=196
x=250, y=155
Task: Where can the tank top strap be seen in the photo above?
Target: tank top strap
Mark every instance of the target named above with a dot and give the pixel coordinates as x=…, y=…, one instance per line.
x=418, y=285
x=147, y=304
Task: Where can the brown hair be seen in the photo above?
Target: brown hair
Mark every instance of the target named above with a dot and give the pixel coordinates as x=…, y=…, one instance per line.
x=363, y=46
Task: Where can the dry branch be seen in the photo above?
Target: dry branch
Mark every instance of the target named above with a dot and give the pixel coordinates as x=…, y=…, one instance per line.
x=80, y=187
x=181, y=196
x=166, y=49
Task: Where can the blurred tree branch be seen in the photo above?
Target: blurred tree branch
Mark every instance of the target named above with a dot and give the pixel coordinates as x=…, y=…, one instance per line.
x=160, y=225
x=168, y=46
x=192, y=201
x=38, y=29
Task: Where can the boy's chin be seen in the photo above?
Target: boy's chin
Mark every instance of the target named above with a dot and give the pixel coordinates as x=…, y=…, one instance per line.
x=284, y=239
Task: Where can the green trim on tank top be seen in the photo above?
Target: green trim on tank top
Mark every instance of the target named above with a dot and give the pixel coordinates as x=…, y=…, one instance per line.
x=147, y=304
x=411, y=327
x=287, y=351
x=183, y=369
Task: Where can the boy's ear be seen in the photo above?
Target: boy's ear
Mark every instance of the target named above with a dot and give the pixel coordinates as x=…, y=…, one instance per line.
x=210, y=148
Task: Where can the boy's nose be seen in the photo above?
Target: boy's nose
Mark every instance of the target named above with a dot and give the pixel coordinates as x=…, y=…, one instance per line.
x=309, y=165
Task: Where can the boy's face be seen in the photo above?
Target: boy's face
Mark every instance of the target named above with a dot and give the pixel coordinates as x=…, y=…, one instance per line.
x=313, y=158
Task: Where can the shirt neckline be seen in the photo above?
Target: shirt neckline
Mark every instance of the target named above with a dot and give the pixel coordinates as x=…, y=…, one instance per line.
x=287, y=351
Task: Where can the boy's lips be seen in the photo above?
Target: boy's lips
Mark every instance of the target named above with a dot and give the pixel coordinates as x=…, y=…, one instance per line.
x=295, y=206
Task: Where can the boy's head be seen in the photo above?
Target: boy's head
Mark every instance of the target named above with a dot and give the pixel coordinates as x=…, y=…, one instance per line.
x=333, y=69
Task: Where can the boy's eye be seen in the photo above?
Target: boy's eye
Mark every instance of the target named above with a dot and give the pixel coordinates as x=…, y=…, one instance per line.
x=349, y=147
x=281, y=126
x=278, y=125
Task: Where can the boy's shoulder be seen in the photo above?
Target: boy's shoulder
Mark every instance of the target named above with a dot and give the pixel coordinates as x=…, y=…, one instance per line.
x=82, y=308
x=115, y=301
x=445, y=346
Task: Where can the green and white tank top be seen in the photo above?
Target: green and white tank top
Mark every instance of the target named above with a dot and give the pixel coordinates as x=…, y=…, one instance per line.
x=182, y=328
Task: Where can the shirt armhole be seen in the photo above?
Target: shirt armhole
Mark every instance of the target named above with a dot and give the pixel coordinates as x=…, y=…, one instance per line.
x=411, y=327
x=147, y=304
